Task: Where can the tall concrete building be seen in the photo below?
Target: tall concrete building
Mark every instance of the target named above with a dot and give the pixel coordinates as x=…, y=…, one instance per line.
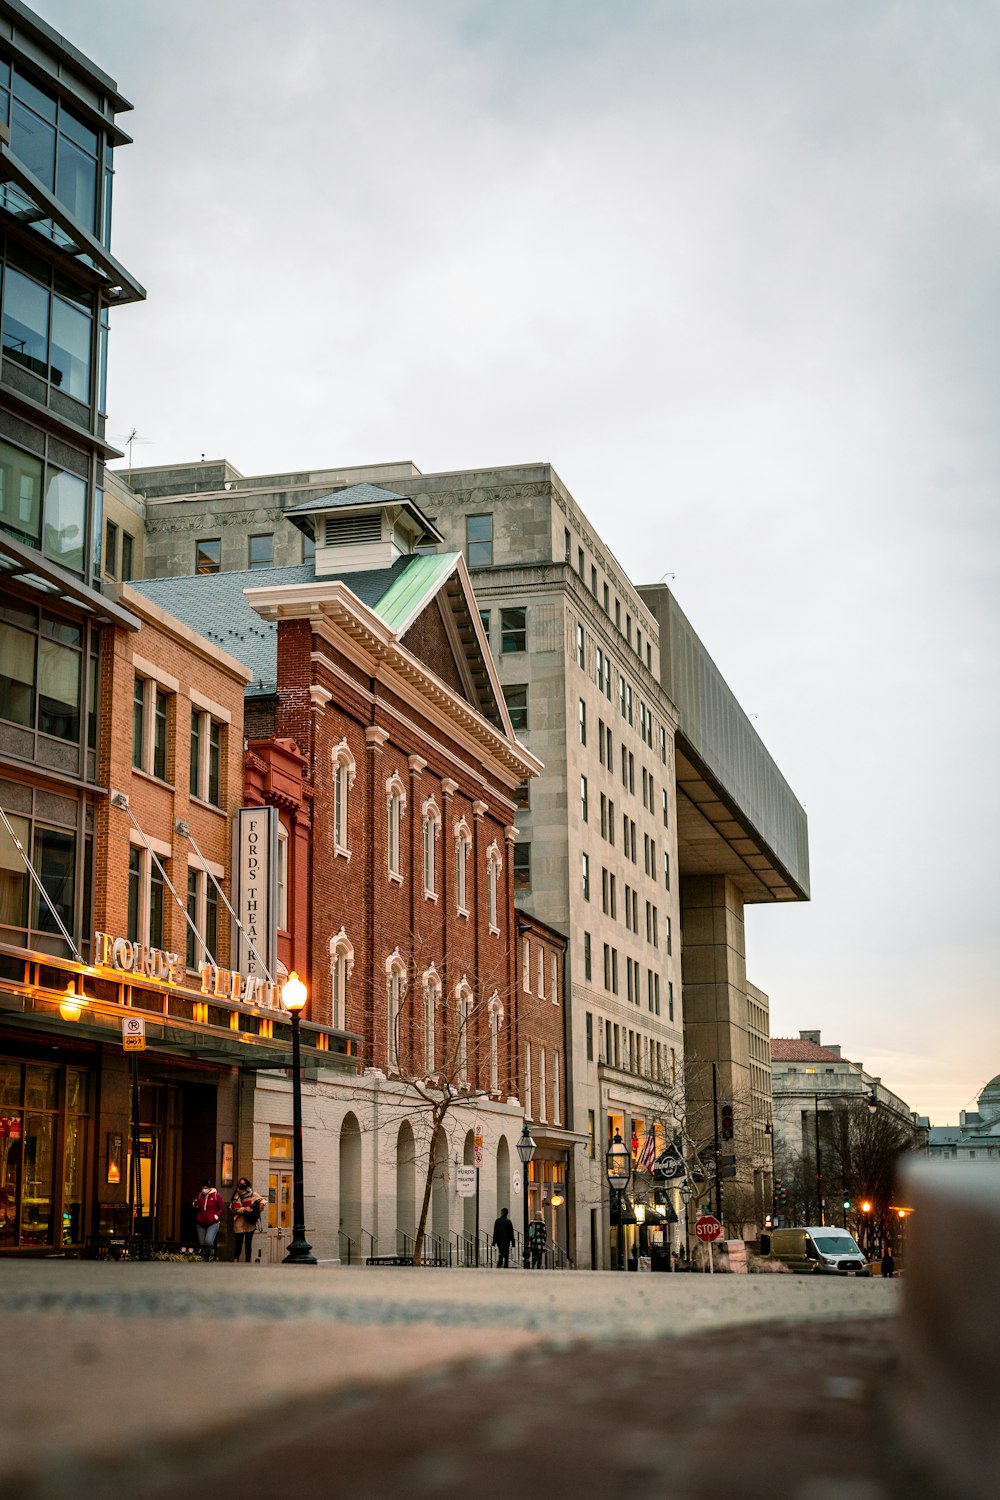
x=658, y=808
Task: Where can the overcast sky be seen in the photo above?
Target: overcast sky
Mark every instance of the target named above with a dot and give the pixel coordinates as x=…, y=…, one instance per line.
x=734, y=269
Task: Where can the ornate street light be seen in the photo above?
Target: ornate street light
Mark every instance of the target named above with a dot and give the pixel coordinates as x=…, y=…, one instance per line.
x=525, y=1150
x=294, y=996
x=618, y=1165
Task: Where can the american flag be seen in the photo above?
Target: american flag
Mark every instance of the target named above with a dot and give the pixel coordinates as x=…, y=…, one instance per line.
x=648, y=1154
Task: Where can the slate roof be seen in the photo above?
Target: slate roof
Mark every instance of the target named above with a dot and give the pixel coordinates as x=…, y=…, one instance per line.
x=794, y=1049
x=216, y=606
x=354, y=494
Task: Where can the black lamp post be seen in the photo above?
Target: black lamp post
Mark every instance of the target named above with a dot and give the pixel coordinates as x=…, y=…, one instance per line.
x=686, y=1200
x=293, y=995
x=618, y=1165
x=525, y=1150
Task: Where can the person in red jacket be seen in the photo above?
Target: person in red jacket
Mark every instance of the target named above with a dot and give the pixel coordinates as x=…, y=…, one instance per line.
x=209, y=1210
x=247, y=1209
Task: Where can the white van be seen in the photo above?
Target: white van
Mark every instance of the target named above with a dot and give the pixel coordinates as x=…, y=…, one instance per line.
x=819, y=1249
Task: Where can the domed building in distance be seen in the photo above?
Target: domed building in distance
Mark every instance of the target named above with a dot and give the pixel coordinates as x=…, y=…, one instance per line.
x=976, y=1137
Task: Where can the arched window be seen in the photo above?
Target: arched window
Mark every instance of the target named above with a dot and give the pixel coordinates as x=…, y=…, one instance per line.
x=541, y=1084
x=496, y=1022
x=432, y=999
x=395, y=984
x=463, y=843
x=341, y=969
x=556, y=1106
x=282, y=878
x=395, y=801
x=494, y=864
x=527, y=1080
x=432, y=832
x=463, y=1020
x=343, y=780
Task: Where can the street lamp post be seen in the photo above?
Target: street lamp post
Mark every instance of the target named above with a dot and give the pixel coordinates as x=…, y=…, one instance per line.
x=294, y=995
x=525, y=1150
x=618, y=1164
x=686, y=1200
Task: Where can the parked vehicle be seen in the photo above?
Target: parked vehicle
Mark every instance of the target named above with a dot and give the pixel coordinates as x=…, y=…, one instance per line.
x=816, y=1249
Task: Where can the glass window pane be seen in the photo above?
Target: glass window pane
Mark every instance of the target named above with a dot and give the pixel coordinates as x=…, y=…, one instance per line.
x=55, y=861
x=17, y=675
x=138, y=720
x=40, y=1088
x=58, y=690
x=261, y=551
x=26, y=322
x=65, y=519
x=513, y=630
x=76, y=182
x=33, y=141
x=77, y=1090
x=73, y=1165
x=42, y=103
x=128, y=553
x=193, y=948
x=39, y=1180
x=70, y=359
x=134, y=883
x=13, y=887
x=20, y=493
x=208, y=555
x=160, y=736
x=156, y=889
x=214, y=762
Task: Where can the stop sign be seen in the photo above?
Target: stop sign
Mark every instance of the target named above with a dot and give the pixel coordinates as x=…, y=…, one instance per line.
x=707, y=1228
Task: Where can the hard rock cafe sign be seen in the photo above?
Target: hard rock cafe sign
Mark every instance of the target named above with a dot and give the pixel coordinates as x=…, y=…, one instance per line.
x=142, y=962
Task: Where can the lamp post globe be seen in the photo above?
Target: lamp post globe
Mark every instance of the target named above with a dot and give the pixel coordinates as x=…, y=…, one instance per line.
x=525, y=1150
x=294, y=995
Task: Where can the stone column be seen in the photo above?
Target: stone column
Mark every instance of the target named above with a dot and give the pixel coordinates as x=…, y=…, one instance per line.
x=715, y=1005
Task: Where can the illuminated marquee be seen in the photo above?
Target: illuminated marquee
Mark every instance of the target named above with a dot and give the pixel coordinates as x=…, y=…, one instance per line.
x=126, y=957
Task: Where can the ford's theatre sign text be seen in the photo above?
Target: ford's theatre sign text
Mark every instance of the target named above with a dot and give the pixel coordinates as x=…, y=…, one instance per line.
x=153, y=963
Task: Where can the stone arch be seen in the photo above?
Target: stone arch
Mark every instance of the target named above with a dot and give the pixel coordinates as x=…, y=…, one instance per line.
x=440, y=1207
x=406, y=1188
x=350, y=1188
x=469, y=1204
x=503, y=1174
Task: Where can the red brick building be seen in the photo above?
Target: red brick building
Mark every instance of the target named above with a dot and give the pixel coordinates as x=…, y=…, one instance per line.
x=541, y=997
x=377, y=726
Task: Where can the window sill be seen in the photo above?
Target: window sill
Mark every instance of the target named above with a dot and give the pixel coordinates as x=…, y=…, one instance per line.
x=494, y=931
x=156, y=780
x=394, y=878
x=208, y=806
x=339, y=853
x=430, y=895
x=461, y=912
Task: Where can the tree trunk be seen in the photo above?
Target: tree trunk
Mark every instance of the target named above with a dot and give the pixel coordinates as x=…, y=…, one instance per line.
x=418, y=1239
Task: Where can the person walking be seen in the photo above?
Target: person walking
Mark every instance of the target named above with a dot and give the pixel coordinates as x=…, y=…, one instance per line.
x=503, y=1238
x=537, y=1237
x=246, y=1207
x=888, y=1264
x=209, y=1209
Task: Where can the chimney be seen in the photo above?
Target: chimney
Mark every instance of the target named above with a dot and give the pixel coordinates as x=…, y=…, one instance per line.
x=810, y=1036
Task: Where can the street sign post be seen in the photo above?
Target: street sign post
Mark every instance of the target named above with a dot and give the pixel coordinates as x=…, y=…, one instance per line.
x=477, y=1144
x=708, y=1228
x=133, y=1033
x=668, y=1165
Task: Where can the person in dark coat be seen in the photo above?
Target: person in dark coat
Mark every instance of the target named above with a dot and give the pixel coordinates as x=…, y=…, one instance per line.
x=888, y=1264
x=503, y=1237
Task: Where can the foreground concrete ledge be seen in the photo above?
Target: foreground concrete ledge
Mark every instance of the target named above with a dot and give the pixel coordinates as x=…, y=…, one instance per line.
x=117, y=1360
x=946, y=1407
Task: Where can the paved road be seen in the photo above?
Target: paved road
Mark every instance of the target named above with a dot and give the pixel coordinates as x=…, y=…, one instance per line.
x=128, y=1376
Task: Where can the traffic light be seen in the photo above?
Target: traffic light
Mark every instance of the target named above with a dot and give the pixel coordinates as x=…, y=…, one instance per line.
x=847, y=1204
x=726, y=1115
x=780, y=1191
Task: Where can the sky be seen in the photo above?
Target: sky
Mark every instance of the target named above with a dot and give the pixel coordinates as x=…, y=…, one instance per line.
x=734, y=270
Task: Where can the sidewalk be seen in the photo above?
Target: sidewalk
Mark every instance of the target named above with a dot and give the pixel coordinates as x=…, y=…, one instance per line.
x=138, y=1377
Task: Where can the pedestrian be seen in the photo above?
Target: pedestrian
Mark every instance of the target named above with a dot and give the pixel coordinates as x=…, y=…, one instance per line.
x=888, y=1264
x=503, y=1238
x=247, y=1207
x=537, y=1236
x=208, y=1208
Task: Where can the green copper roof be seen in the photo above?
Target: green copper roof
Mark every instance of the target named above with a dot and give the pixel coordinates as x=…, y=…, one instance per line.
x=412, y=588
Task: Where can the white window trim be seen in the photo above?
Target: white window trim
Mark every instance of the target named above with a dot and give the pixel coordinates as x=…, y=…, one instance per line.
x=526, y=964
x=282, y=877
x=433, y=991
x=463, y=847
x=496, y=1018
x=395, y=805
x=341, y=968
x=464, y=1006
x=344, y=773
x=494, y=865
x=395, y=987
x=431, y=823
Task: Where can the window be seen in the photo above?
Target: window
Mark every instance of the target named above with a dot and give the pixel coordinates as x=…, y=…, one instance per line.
x=527, y=1080
x=541, y=972
x=484, y=620
x=395, y=802
x=663, y=745
x=666, y=809
x=495, y=1011
x=516, y=699
x=526, y=965
x=203, y=911
x=590, y=1037
x=261, y=551
x=668, y=931
x=513, y=630
x=479, y=541
x=431, y=834
x=522, y=795
x=628, y=628
x=41, y=662
x=541, y=1085
x=585, y=872
x=581, y=650
x=567, y=546
x=584, y=799
x=606, y=600
x=582, y=720
x=522, y=867
x=53, y=852
x=608, y=898
x=47, y=329
x=128, y=556
x=554, y=978
x=341, y=969
x=145, y=896
x=395, y=982
x=588, y=965
x=59, y=523
x=618, y=614
x=556, y=1106
x=432, y=1000
x=494, y=864
x=208, y=555
x=149, y=728
x=666, y=870
x=463, y=1012
x=579, y=561
x=593, y=580
x=463, y=843
x=591, y=1134
x=344, y=768
x=282, y=878
x=111, y=549
x=206, y=758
